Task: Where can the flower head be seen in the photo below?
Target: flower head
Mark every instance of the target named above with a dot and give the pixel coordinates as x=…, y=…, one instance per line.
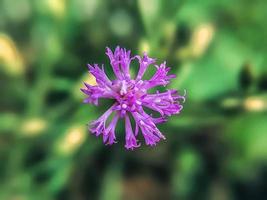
x=130, y=95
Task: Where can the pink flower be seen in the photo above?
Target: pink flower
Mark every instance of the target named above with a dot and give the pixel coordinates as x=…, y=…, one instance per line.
x=130, y=96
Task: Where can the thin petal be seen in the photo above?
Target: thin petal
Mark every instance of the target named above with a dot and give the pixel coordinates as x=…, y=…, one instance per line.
x=130, y=139
x=166, y=103
x=109, y=136
x=96, y=92
x=149, y=130
x=144, y=63
x=100, y=75
x=98, y=126
x=125, y=60
x=120, y=61
x=160, y=77
x=114, y=61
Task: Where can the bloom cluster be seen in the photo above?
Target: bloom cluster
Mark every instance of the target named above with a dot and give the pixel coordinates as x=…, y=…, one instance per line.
x=131, y=95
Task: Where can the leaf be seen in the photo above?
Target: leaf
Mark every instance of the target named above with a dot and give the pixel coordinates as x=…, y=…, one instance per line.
x=216, y=73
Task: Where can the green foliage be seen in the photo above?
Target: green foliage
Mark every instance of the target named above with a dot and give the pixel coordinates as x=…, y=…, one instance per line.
x=215, y=149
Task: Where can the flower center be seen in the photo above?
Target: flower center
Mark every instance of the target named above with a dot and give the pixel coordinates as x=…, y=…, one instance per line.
x=130, y=96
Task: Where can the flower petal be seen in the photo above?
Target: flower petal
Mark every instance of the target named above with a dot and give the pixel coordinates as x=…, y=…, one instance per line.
x=96, y=92
x=144, y=63
x=130, y=139
x=125, y=60
x=149, y=130
x=100, y=75
x=109, y=136
x=120, y=61
x=166, y=103
x=114, y=61
x=98, y=126
x=160, y=77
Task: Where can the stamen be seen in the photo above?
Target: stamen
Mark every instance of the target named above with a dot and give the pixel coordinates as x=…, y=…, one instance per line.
x=124, y=106
x=138, y=102
x=123, y=90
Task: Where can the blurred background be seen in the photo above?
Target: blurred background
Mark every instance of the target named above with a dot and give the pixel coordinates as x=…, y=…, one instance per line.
x=216, y=149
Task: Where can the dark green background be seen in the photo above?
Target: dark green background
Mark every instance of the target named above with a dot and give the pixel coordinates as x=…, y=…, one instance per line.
x=216, y=149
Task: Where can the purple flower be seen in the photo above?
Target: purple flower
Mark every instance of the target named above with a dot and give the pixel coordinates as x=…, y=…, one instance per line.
x=130, y=96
